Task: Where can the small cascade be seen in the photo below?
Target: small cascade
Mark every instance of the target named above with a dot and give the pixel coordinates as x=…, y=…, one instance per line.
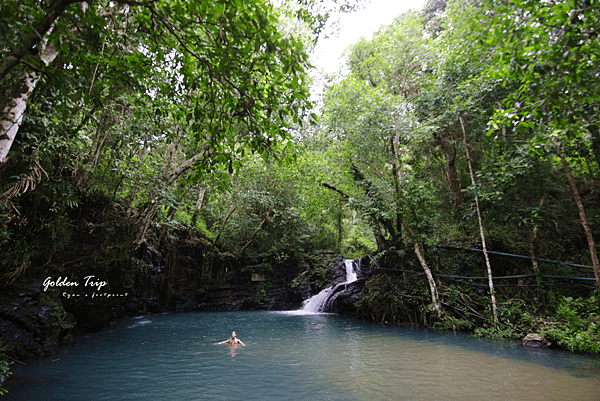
x=316, y=303
x=350, y=272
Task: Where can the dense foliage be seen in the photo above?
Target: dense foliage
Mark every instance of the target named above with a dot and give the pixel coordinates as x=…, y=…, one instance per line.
x=150, y=103
x=472, y=125
x=469, y=124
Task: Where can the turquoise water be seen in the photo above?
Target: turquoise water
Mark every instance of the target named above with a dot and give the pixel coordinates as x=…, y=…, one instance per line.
x=297, y=357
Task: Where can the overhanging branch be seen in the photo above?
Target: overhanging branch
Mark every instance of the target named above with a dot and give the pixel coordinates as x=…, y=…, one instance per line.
x=345, y=195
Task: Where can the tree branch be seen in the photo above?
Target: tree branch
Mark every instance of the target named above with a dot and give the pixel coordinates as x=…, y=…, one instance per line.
x=345, y=195
x=216, y=241
x=266, y=219
x=37, y=34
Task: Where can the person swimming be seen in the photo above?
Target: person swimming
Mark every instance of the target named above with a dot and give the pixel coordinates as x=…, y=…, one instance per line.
x=233, y=340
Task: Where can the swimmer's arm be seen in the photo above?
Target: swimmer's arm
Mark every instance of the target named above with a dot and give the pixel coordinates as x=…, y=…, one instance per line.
x=240, y=341
x=223, y=342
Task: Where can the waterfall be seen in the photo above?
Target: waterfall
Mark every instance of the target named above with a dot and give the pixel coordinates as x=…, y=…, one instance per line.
x=316, y=303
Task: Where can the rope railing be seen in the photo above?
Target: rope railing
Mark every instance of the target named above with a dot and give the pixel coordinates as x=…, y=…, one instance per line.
x=460, y=278
x=514, y=256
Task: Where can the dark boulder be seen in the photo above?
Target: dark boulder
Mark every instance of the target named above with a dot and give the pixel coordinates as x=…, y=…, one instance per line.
x=343, y=299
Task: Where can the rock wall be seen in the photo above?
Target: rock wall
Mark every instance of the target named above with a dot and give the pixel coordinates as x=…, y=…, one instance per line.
x=36, y=315
x=32, y=323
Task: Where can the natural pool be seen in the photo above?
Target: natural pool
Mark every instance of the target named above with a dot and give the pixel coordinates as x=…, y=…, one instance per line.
x=291, y=356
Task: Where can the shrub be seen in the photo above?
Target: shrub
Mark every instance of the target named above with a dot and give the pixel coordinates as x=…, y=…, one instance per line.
x=576, y=326
x=4, y=369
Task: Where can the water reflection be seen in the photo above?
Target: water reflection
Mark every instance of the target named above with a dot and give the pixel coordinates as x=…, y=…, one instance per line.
x=290, y=357
x=232, y=349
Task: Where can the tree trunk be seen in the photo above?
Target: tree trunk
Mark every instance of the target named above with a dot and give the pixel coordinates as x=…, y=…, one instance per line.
x=340, y=227
x=37, y=35
x=593, y=129
x=435, y=303
x=532, y=239
x=137, y=178
x=98, y=143
x=485, y=253
x=216, y=241
x=18, y=97
x=147, y=215
x=534, y=261
x=397, y=163
x=582, y=217
x=260, y=226
x=201, y=194
x=380, y=240
x=397, y=174
x=432, y=286
x=183, y=167
x=452, y=180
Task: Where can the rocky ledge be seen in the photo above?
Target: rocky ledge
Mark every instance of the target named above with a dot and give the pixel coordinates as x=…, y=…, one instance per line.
x=36, y=317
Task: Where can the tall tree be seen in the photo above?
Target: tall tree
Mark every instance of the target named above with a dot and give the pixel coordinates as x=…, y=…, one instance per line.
x=371, y=111
x=548, y=50
x=142, y=99
x=480, y=220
